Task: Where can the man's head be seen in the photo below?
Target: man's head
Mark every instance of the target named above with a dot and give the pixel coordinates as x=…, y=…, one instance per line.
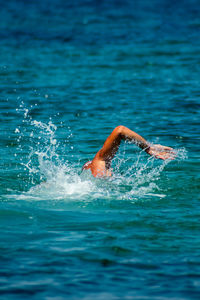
x=86, y=165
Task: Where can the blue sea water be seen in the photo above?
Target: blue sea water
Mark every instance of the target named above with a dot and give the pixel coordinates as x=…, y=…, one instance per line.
x=70, y=72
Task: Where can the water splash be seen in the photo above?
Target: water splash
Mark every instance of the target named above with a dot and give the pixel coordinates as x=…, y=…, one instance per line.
x=58, y=179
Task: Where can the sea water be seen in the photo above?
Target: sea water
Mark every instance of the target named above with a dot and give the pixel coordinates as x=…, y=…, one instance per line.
x=71, y=71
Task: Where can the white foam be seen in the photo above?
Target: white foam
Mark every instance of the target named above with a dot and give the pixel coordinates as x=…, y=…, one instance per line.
x=61, y=180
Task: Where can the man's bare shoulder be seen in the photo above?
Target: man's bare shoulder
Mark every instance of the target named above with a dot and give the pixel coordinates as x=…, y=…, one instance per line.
x=97, y=167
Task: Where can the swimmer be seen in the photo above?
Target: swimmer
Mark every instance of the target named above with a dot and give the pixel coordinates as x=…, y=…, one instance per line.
x=100, y=166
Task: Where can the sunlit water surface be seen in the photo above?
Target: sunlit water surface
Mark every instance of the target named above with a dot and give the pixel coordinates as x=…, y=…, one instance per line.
x=69, y=74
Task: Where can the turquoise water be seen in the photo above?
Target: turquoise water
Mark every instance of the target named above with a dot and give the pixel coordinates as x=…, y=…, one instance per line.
x=70, y=72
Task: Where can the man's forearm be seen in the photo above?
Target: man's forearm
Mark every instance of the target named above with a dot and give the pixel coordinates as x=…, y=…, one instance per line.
x=132, y=136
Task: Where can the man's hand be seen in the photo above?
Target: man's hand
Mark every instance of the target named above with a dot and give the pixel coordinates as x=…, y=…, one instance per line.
x=161, y=152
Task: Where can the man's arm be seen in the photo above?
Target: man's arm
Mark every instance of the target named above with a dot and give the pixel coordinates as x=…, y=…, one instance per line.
x=112, y=143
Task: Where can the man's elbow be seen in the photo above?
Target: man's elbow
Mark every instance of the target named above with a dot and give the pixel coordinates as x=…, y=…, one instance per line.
x=119, y=129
